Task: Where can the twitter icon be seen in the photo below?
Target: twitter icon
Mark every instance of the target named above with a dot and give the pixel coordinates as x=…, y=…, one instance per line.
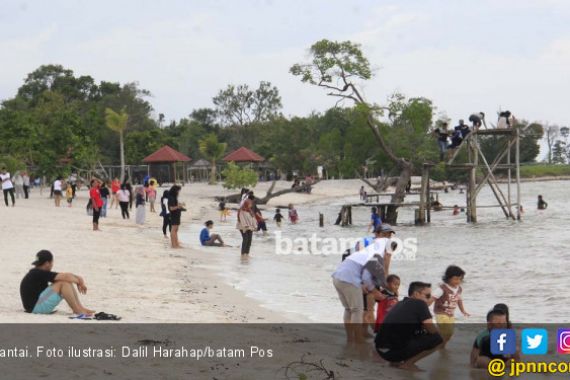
x=534, y=341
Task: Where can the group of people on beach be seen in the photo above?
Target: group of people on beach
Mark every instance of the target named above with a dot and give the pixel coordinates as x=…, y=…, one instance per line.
x=17, y=186
x=405, y=329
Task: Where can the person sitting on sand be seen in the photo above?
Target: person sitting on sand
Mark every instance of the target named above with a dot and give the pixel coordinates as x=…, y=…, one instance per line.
x=542, y=205
x=40, y=298
x=408, y=333
x=481, y=353
x=208, y=240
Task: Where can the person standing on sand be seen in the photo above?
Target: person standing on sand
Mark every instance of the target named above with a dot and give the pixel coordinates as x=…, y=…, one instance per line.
x=26, y=178
x=104, y=191
x=69, y=195
x=175, y=209
x=362, y=271
x=246, y=223
x=123, y=197
x=151, y=194
x=140, y=205
x=18, y=181
x=7, y=186
x=129, y=187
x=96, y=202
x=39, y=298
x=57, y=188
x=165, y=213
x=115, y=187
x=408, y=333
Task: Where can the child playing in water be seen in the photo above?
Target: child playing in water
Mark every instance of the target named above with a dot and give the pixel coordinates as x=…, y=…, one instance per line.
x=223, y=210
x=278, y=217
x=542, y=205
x=387, y=300
x=447, y=297
x=293, y=216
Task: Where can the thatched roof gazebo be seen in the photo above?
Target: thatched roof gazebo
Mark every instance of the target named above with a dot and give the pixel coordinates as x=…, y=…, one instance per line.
x=243, y=155
x=252, y=159
x=199, y=170
x=163, y=164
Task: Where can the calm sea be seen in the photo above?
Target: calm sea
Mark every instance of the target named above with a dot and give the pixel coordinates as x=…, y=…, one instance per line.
x=523, y=264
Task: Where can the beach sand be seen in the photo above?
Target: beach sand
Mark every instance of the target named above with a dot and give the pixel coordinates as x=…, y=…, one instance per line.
x=131, y=271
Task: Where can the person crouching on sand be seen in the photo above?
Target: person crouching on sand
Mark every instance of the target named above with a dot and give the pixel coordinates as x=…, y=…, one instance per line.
x=408, y=333
x=40, y=298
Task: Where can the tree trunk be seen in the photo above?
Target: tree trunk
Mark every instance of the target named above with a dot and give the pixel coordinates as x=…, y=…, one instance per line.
x=213, y=173
x=121, y=143
x=399, y=193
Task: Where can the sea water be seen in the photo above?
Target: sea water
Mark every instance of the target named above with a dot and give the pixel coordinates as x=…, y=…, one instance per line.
x=523, y=264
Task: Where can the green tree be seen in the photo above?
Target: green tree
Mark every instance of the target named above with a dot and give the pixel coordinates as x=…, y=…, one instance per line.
x=335, y=67
x=242, y=108
x=212, y=150
x=236, y=177
x=559, y=152
x=117, y=121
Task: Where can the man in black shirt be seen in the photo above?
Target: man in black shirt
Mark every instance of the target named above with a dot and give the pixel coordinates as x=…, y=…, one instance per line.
x=408, y=333
x=40, y=298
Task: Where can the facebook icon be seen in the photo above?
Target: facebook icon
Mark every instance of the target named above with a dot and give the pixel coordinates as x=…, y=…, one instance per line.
x=503, y=342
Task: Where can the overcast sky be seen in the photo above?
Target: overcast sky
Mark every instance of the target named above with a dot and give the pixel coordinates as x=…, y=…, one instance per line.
x=464, y=55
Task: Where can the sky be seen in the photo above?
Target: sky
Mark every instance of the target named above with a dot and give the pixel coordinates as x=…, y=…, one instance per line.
x=466, y=56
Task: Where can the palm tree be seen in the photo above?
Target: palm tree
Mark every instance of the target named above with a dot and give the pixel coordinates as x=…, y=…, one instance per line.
x=212, y=150
x=118, y=123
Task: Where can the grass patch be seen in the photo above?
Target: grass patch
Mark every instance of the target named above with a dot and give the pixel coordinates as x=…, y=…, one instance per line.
x=544, y=170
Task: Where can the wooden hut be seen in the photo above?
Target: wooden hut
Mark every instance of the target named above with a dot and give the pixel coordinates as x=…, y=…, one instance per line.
x=166, y=164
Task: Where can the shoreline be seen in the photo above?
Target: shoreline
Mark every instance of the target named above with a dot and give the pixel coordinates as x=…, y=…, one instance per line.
x=117, y=264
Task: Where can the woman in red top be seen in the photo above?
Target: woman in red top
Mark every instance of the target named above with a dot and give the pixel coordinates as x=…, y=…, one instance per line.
x=115, y=187
x=96, y=202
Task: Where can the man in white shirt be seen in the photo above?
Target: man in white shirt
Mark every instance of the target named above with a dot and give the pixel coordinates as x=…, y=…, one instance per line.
x=7, y=186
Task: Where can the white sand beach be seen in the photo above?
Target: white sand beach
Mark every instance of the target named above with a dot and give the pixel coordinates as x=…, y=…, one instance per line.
x=131, y=271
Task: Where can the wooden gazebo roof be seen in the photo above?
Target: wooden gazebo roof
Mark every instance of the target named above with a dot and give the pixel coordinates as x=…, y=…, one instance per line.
x=166, y=154
x=243, y=155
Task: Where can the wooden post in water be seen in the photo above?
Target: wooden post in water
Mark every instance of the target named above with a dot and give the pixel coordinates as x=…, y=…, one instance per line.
x=428, y=191
x=472, y=197
x=518, y=163
x=423, y=195
x=321, y=220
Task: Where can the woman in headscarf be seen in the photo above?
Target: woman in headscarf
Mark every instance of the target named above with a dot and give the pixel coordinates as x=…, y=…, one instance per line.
x=140, y=205
x=246, y=223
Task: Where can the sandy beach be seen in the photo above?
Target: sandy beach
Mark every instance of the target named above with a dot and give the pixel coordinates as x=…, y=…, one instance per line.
x=131, y=271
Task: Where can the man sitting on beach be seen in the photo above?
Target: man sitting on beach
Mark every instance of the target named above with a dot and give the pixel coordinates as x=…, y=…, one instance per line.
x=408, y=333
x=39, y=298
x=208, y=240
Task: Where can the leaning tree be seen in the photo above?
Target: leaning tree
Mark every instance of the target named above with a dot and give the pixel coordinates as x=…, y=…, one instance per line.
x=337, y=67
